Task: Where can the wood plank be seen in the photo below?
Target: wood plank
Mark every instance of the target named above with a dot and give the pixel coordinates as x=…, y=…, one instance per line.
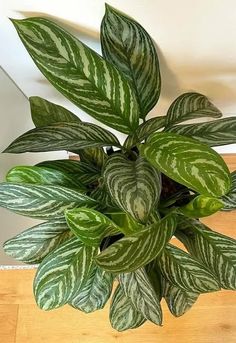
x=8, y=323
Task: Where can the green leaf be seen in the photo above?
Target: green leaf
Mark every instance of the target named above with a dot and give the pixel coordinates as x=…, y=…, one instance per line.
x=139, y=290
x=95, y=293
x=201, y=206
x=62, y=273
x=129, y=47
x=155, y=277
x=41, y=201
x=144, y=130
x=229, y=199
x=45, y=113
x=80, y=74
x=188, y=162
x=179, y=301
x=43, y=176
x=185, y=272
x=134, y=185
x=90, y=226
x=190, y=106
x=102, y=196
x=135, y=251
x=126, y=223
x=62, y=136
x=213, y=133
x=93, y=156
x=83, y=172
x=32, y=245
x=216, y=251
x=123, y=315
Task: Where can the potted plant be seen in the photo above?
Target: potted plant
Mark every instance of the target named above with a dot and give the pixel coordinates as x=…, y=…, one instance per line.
x=111, y=214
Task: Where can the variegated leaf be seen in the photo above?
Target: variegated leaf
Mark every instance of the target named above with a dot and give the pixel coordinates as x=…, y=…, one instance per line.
x=95, y=293
x=135, y=251
x=155, y=278
x=32, y=245
x=80, y=74
x=43, y=176
x=83, y=172
x=229, y=199
x=134, y=185
x=44, y=112
x=215, y=251
x=102, y=195
x=90, y=226
x=139, y=290
x=190, y=106
x=144, y=130
x=93, y=156
x=129, y=47
x=201, y=206
x=126, y=223
x=213, y=133
x=179, y=301
x=185, y=272
x=188, y=162
x=62, y=273
x=123, y=315
x=41, y=201
x=62, y=136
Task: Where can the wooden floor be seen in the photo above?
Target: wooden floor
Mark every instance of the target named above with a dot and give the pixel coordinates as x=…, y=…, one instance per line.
x=211, y=320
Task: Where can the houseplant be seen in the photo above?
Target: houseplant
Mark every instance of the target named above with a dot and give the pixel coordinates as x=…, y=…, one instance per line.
x=111, y=214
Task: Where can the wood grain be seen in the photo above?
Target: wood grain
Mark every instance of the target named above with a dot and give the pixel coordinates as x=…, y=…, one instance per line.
x=211, y=320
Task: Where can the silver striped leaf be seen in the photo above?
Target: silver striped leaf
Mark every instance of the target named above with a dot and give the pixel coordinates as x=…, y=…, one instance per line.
x=215, y=251
x=155, y=277
x=95, y=293
x=41, y=201
x=62, y=273
x=44, y=112
x=201, y=206
x=135, y=251
x=134, y=185
x=178, y=300
x=213, y=133
x=123, y=314
x=126, y=223
x=129, y=47
x=144, y=130
x=34, y=244
x=62, y=136
x=81, y=171
x=79, y=73
x=102, y=196
x=138, y=288
x=229, y=199
x=93, y=156
x=43, y=176
x=188, y=162
x=90, y=226
x=185, y=272
x=190, y=106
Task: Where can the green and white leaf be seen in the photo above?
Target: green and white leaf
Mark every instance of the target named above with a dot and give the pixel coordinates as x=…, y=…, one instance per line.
x=41, y=201
x=144, y=130
x=215, y=251
x=129, y=47
x=126, y=223
x=201, y=206
x=229, y=199
x=185, y=272
x=79, y=73
x=93, y=156
x=62, y=136
x=62, y=273
x=190, y=106
x=139, y=290
x=135, y=251
x=123, y=314
x=34, y=244
x=188, y=162
x=83, y=172
x=44, y=112
x=43, y=176
x=90, y=226
x=95, y=293
x=213, y=133
x=155, y=278
x=179, y=301
x=102, y=195
x=134, y=185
